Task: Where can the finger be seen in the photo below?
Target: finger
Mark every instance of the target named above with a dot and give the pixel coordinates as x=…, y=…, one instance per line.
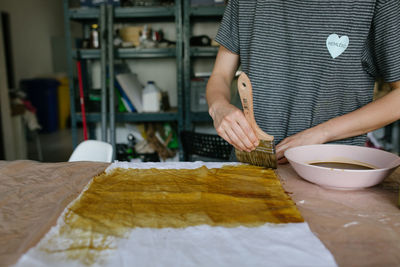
x=223, y=134
x=236, y=140
x=240, y=128
x=279, y=156
x=282, y=144
x=249, y=132
x=226, y=137
x=244, y=137
x=280, y=151
x=283, y=161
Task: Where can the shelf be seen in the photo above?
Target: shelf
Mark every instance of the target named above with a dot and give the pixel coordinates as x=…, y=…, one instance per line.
x=107, y=17
x=200, y=117
x=145, y=52
x=86, y=53
x=84, y=13
x=123, y=12
x=144, y=12
x=215, y=11
x=209, y=51
x=132, y=117
x=127, y=53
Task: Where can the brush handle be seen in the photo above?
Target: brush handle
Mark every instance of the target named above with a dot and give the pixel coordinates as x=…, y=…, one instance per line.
x=246, y=96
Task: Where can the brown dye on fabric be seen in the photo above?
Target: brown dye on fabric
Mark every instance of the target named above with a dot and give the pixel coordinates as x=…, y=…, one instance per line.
x=157, y=198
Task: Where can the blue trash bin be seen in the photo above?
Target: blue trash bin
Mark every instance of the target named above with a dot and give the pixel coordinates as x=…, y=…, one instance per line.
x=43, y=94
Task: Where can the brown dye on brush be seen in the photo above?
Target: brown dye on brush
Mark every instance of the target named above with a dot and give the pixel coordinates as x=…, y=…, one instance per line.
x=263, y=156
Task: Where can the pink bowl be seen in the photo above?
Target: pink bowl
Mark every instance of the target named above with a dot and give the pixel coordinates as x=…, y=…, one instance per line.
x=300, y=158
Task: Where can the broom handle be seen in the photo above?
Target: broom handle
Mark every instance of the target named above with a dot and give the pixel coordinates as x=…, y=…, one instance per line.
x=82, y=100
x=246, y=96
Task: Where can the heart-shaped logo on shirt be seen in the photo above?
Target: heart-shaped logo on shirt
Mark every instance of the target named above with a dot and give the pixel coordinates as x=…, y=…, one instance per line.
x=336, y=46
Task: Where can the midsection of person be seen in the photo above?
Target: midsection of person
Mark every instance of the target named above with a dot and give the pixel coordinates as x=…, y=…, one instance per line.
x=312, y=65
x=304, y=60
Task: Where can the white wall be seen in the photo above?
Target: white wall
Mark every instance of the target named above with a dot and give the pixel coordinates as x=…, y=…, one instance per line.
x=33, y=24
x=12, y=133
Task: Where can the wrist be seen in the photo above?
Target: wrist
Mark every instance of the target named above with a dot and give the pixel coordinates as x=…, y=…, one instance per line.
x=211, y=110
x=213, y=107
x=326, y=133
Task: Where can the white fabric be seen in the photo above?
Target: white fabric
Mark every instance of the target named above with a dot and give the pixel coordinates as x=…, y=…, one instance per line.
x=268, y=245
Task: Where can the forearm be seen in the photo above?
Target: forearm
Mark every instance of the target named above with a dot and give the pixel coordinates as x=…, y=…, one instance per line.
x=229, y=121
x=218, y=86
x=366, y=119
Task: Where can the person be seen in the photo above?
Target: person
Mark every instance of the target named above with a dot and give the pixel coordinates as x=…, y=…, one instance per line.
x=312, y=66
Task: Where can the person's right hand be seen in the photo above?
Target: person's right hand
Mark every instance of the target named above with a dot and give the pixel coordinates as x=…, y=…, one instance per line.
x=230, y=123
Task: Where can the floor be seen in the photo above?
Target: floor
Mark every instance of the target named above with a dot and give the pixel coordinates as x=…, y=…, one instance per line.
x=55, y=146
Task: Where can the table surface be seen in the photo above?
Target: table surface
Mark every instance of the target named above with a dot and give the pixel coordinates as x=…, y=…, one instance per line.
x=360, y=228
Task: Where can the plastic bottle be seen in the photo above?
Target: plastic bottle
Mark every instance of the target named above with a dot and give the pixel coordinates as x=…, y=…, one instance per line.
x=151, y=98
x=94, y=36
x=145, y=38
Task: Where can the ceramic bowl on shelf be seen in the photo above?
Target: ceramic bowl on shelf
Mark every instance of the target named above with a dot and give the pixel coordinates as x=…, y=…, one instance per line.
x=343, y=167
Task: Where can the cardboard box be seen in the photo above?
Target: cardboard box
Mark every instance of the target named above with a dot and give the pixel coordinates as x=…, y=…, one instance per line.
x=131, y=34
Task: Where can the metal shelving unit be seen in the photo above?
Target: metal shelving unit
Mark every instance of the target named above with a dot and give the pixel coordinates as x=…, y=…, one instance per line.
x=134, y=117
x=146, y=12
x=126, y=53
x=209, y=13
x=81, y=14
x=206, y=11
x=203, y=51
x=106, y=16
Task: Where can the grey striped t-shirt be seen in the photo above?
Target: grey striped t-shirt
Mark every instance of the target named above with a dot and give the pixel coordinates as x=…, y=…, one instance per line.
x=310, y=61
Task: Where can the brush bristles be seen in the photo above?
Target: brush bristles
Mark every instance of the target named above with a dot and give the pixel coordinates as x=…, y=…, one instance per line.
x=263, y=155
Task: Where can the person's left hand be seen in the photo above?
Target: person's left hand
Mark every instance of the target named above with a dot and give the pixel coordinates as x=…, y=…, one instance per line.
x=307, y=137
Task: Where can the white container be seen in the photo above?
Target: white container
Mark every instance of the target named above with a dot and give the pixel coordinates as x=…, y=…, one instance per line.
x=382, y=163
x=151, y=98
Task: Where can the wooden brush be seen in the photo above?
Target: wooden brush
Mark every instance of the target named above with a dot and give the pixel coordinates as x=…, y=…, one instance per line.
x=264, y=155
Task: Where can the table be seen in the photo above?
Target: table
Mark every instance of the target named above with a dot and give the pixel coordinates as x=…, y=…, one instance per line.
x=360, y=228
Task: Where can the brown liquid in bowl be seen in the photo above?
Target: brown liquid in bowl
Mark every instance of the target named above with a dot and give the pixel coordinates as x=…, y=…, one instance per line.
x=342, y=165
